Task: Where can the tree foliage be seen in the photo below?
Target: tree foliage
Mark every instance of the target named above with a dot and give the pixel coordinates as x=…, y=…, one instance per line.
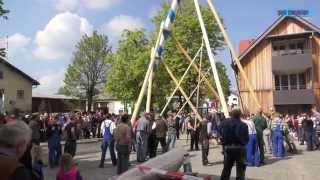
x=128, y=65
x=186, y=29
x=86, y=73
x=3, y=11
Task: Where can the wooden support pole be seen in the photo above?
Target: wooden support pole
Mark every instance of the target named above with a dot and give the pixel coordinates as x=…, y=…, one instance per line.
x=148, y=104
x=184, y=52
x=199, y=78
x=212, y=61
x=143, y=88
x=191, y=94
x=182, y=91
x=233, y=52
x=182, y=78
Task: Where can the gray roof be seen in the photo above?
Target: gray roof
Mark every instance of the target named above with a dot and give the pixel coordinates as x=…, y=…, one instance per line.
x=33, y=81
x=55, y=96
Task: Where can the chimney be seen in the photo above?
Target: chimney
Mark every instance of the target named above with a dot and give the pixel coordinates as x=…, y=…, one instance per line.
x=244, y=44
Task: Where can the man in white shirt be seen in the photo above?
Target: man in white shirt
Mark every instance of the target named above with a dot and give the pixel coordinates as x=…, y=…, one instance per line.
x=252, y=148
x=107, y=128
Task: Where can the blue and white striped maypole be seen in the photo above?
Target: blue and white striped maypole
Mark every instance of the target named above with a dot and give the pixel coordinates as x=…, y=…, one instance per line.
x=156, y=53
x=165, y=28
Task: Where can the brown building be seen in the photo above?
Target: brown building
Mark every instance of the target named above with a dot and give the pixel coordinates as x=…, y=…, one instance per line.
x=15, y=89
x=56, y=103
x=283, y=66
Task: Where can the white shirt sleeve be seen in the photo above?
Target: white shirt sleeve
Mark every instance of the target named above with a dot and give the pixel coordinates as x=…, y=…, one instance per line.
x=209, y=126
x=112, y=127
x=102, y=127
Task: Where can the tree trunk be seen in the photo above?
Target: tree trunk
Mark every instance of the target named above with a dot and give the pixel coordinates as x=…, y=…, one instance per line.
x=89, y=105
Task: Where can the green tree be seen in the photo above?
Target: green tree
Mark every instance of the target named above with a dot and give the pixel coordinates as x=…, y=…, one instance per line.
x=128, y=66
x=86, y=73
x=3, y=14
x=3, y=11
x=186, y=29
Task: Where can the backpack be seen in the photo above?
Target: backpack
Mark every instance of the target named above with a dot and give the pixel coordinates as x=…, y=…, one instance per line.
x=107, y=133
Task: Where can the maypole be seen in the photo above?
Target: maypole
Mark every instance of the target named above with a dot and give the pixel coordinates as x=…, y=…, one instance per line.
x=156, y=54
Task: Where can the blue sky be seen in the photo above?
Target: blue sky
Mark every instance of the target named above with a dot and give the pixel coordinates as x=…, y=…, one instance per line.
x=42, y=33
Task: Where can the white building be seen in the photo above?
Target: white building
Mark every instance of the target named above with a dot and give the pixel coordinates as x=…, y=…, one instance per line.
x=233, y=100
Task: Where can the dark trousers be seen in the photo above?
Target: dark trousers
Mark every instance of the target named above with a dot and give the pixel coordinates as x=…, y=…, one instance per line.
x=163, y=143
x=70, y=147
x=205, y=151
x=152, y=148
x=178, y=132
x=261, y=146
x=194, y=140
x=123, y=158
x=94, y=131
x=54, y=154
x=231, y=156
x=301, y=135
x=309, y=139
x=104, y=148
x=99, y=130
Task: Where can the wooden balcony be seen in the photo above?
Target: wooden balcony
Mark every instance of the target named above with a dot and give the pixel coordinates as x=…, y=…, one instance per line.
x=291, y=61
x=302, y=96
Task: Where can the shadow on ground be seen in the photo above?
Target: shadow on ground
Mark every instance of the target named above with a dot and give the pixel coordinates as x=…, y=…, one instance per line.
x=217, y=177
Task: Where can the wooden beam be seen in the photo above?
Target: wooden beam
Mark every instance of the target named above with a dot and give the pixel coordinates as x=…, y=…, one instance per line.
x=182, y=78
x=182, y=91
x=184, y=52
x=233, y=52
x=148, y=104
x=191, y=94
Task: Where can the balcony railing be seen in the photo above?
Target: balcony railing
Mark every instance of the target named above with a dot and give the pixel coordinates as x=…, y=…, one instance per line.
x=291, y=52
x=291, y=87
x=291, y=61
x=303, y=96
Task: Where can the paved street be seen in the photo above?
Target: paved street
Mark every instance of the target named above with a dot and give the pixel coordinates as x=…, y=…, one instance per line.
x=303, y=166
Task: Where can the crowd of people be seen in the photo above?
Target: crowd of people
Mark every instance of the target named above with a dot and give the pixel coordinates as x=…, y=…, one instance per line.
x=256, y=135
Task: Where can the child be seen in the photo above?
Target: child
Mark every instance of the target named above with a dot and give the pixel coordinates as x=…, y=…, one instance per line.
x=68, y=169
x=37, y=163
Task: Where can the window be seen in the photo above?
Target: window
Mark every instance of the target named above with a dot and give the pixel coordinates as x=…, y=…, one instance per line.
x=20, y=94
x=1, y=75
x=302, y=81
x=284, y=82
x=277, y=82
x=293, y=82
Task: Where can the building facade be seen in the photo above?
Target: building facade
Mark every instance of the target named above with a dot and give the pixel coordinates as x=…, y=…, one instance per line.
x=283, y=67
x=15, y=89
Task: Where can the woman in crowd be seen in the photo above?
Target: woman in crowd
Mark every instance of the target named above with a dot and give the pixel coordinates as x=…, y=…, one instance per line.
x=68, y=169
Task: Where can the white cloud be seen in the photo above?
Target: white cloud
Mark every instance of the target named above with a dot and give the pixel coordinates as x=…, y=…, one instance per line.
x=17, y=44
x=58, y=39
x=71, y=5
x=66, y=5
x=117, y=24
x=50, y=82
x=100, y=4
